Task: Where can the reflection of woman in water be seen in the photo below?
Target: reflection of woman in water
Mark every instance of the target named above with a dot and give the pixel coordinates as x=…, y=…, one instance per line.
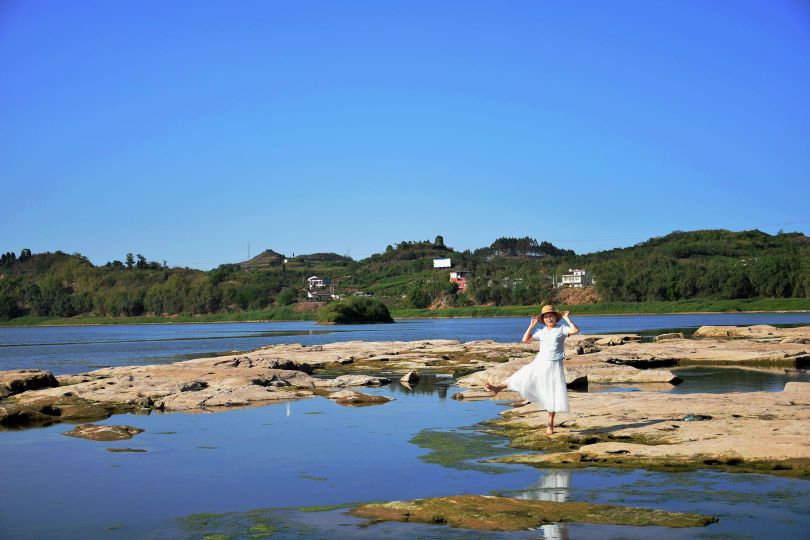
x=555, y=485
x=543, y=380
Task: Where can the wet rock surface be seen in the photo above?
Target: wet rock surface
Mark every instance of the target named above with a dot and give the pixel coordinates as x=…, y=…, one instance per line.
x=489, y=513
x=743, y=432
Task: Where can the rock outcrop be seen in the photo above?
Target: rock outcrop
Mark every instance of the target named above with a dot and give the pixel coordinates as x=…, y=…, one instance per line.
x=489, y=513
x=94, y=432
x=293, y=371
x=746, y=432
x=20, y=380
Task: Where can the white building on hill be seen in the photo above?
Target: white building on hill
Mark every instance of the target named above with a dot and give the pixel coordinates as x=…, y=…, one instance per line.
x=576, y=278
x=316, y=282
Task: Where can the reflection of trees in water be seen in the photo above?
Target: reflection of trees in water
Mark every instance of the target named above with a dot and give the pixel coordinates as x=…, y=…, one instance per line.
x=427, y=385
x=553, y=486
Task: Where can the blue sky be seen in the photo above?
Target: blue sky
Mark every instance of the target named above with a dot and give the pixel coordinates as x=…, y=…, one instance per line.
x=187, y=130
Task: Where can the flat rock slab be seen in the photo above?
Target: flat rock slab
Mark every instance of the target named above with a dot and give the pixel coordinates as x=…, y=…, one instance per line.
x=285, y=372
x=505, y=514
x=579, y=372
x=357, y=399
x=707, y=351
x=749, y=432
x=94, y=432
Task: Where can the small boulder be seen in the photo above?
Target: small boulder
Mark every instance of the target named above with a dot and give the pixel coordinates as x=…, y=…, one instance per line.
x=357, y=399
x=411, y=377
x=193, y=386
x=94, y=432
x=618, y=339
x=672, y=335
x=355, y=380
x=21, y=380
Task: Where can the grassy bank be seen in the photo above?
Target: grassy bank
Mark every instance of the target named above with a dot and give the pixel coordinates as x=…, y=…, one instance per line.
x=603, y=308
x=618, y=308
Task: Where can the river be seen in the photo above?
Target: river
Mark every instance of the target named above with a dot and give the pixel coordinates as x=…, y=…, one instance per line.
x=76, y=349
x=247, y=473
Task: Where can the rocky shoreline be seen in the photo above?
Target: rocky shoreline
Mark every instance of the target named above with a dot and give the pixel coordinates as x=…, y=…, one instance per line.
x=638, y=429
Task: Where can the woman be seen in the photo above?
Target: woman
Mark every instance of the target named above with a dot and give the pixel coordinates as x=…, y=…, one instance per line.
x=543, y=380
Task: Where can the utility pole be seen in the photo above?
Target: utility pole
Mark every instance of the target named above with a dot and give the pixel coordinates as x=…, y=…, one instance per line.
x=248, y=250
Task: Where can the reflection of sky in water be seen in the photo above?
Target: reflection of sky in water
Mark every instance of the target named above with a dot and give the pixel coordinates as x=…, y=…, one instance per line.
x=715, y=380
x=75, y=349
x=314, y=452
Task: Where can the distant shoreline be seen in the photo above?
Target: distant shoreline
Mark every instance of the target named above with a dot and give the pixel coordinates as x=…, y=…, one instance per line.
x=691, y=307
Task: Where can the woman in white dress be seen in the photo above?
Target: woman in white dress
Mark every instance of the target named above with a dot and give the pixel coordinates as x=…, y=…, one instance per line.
x=542, y=381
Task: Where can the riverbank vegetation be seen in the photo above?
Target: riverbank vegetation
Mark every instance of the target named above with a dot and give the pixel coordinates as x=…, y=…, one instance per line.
x=355, y=310
x=683, y=271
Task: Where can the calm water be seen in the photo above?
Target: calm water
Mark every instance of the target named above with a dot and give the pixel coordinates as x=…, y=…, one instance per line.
x=257, y=465
x=261, y=463
x=78, y=349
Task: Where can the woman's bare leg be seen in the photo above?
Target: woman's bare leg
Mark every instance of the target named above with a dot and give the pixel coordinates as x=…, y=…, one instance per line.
x=550, y=429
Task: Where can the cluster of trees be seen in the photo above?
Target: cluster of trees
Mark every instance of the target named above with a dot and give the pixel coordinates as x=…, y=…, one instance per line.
x=507, y=289
x=663, y=278
x=9, y=258
x=136, y=261
x=705, y=264
x=523, y=247
x=64, y=285
x=355, y=310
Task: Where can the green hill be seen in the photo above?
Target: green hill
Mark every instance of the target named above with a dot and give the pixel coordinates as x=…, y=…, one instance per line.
x=681, y=266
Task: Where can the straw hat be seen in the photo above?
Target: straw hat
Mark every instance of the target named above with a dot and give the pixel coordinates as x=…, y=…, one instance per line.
x=548, y=308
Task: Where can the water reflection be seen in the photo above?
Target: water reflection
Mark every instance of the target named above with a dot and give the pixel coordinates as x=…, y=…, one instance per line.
x=716, y=380
x=554, y=486
x=428, y=384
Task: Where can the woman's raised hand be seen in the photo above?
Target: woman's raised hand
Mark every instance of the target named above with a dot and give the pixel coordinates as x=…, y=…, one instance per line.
x=535, y=320
x=564, y=314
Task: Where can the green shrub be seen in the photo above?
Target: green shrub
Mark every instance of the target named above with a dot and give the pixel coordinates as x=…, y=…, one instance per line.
x=355, y=310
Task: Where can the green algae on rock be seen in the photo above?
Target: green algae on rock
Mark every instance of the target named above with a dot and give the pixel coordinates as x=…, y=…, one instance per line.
x=528, y=437
x=791, y=468
x=504, y=514
x=459, y=449
x=253, y=524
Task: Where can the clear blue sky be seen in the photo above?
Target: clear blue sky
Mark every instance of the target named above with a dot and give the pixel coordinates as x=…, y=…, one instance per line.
x=186, y=130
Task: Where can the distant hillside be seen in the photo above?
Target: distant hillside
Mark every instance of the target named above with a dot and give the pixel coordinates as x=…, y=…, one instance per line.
x=711, y=264
x=316, y=258
x=266, y=259
x=707, y=263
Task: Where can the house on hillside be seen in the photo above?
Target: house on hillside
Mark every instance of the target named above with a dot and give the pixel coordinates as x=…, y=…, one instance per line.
x=576, y=277
x=442, y=263
x=320, y=296
x=316, y=282
x=460, y=278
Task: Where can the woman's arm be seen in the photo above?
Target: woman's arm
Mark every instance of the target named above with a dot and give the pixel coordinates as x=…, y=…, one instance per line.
x=527, y=337
x=574, y=328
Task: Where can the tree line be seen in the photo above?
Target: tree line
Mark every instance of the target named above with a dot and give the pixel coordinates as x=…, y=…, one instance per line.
x=679, y=266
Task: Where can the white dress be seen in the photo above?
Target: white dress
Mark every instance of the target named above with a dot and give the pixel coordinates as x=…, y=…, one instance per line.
x=542, y=381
